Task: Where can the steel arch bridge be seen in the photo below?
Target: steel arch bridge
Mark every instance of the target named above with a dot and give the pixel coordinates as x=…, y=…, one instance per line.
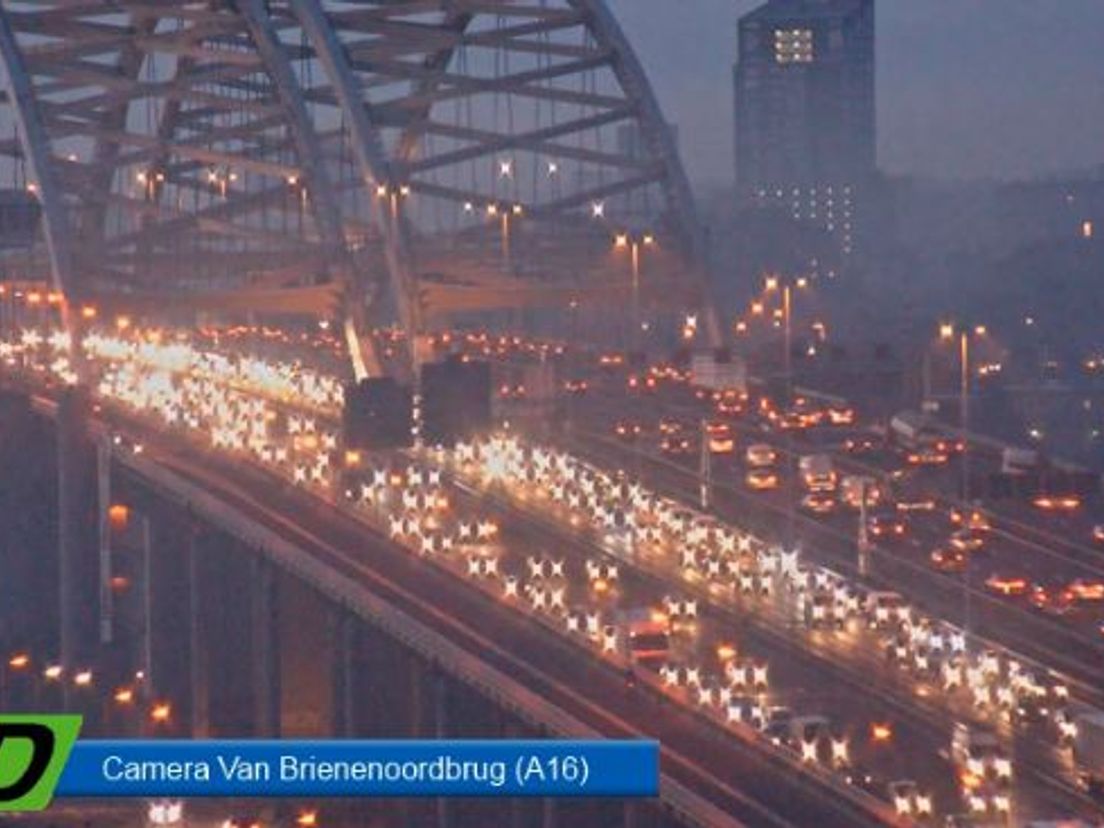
x=402, y=159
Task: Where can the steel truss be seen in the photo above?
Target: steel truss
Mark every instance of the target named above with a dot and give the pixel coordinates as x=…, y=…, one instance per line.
x=430, y=156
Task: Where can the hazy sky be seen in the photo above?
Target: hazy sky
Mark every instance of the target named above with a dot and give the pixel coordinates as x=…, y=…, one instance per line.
x=966, y=88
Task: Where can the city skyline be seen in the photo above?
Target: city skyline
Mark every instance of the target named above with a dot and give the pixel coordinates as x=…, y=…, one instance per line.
x=929, y=123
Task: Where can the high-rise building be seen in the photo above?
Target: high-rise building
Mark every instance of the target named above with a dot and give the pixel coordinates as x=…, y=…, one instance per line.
x=805, y=133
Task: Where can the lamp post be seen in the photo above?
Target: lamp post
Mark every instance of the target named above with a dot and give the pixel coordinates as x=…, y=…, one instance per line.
x=948, y=332
x=786, y=286
x=393, y=194
x=635, y=244
x=505, y=213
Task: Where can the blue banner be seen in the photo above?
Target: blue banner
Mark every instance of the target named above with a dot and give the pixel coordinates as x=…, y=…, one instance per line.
x=337, y=768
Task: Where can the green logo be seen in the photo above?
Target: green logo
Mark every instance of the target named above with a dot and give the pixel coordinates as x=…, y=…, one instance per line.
x=33, y=751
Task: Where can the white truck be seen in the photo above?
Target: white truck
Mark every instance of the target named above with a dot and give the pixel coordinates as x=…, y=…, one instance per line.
x=1019, y=460
x=1088, y=752
x=718, y=373
x=912, y=430
x=817, y=472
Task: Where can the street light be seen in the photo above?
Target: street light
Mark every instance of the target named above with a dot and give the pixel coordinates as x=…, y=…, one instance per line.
x=947, y=333
x=634, y=243
x=773, y=283
x=505, y=213
x=393, y=193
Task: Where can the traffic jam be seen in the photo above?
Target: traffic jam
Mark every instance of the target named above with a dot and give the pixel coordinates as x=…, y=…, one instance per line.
x=649, y=584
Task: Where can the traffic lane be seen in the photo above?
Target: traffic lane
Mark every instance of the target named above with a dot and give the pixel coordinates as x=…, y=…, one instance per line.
x=884, y=461
x=1048, y=643
x=1050, y=790
x=556, y=669
x=1041, y=795
x=1081, y=628
x=853, y=708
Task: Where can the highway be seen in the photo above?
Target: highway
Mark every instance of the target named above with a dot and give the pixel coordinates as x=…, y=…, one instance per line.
x=1019, y=547
x=822, y=673
x=726, y=771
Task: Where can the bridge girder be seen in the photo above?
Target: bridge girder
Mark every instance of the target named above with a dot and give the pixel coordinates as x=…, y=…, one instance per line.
x=160, y=135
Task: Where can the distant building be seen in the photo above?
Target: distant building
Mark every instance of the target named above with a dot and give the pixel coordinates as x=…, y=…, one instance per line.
x=804, y=106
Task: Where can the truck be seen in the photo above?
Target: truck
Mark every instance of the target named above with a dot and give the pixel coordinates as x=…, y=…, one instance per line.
x=1088, y=752
x=718, y=372
x=913, y=430
x=646, y=634
x=1019, y=460
x=817, y=472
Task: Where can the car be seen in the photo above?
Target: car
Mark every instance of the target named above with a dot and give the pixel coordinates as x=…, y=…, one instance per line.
x=611, y=360
x=918, y=504
x=907, y=799
x=886, y=525
x=820, y=503
x=720, y=437
x=1057, y=503
x=731, y=404
x=1084, y=589
x=645, y=383
x=761, y=479
x=967, y=540
x=673, y=444
x=975, y=520
x=861, y=444
x=863, y=779
x=948, y=560
x=760, y=455
x=1050, y=599
x=628, y=430
x=928, y=456
x=669, y=425
x=840, y=414
x=1098, y=533
x=1010, y=586
x=576, y=387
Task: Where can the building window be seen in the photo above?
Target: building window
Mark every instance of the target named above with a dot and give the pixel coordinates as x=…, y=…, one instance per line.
x=793, y=46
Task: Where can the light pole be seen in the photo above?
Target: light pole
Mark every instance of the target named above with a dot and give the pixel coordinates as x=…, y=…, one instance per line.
x=787, y=286
x=505, y=213
x=948, y=332
x=393, y=195
x=634, y=243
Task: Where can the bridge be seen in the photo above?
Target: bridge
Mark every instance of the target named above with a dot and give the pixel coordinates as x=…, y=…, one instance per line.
x=247, y=204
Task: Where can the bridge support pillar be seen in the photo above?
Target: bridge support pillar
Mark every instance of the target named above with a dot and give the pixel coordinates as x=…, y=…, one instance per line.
x=78, y=531
x=441, y=726
x=346, y=638
x=199, y=696
x=548, y=813
x=168, y=582
x=28, y=555
x=265, y=649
